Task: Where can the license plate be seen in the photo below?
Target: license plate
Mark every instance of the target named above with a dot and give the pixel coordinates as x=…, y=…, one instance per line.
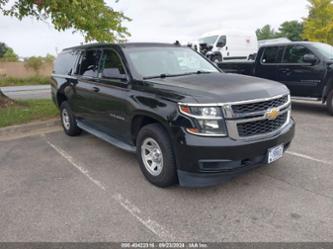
x=275, y=153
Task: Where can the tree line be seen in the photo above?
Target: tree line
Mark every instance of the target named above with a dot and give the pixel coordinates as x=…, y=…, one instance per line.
x=317, y=27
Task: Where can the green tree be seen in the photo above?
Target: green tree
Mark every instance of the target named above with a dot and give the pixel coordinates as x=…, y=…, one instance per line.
x=266, y=32
x=7, y=53
x=292, y=30
x=10, y=55
x=93, y=18
x=3, y=48
x=34, y=63
x=319, y=24
x=49, y=59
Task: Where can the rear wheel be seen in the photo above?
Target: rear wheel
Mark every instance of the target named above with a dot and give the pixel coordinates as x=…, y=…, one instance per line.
x=68, y=120
x=329, y=102
x=156, y=156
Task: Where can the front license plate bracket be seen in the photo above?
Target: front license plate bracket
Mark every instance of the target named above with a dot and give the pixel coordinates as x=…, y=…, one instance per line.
x=275, y=153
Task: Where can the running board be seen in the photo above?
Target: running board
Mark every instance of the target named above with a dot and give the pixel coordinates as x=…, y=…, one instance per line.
x=106, y=137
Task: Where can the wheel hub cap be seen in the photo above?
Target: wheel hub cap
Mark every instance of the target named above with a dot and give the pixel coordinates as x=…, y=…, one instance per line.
x=152, y=156
x=65, y=119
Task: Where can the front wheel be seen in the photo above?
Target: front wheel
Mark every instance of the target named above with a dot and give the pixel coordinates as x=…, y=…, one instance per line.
x=329, y=102
x=156, y=156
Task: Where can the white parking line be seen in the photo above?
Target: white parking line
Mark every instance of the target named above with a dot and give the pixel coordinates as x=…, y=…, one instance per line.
x=308, y=157
x=76, y=165
x=150, y=224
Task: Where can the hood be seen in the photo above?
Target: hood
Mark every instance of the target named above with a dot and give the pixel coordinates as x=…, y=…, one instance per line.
x=222, y=87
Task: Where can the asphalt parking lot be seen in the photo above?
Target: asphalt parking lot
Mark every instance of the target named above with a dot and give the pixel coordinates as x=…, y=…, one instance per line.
x=57, y=188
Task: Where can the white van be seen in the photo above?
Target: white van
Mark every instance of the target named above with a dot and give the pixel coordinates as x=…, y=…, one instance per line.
x=229, y=45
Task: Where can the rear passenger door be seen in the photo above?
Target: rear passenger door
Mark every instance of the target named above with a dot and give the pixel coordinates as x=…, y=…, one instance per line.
x=268, y=63
x=302, y=79
x=84, y=91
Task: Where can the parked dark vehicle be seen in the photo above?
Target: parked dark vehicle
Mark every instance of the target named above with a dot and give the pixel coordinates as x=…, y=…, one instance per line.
x=187, y=121
x=306, y=68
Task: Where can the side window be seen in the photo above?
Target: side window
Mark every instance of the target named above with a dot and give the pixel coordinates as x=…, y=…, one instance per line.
x=272, y=55
x=295, y=54
x=222, y=41
x=64, y=63
x=88, y=65
x=111, y=66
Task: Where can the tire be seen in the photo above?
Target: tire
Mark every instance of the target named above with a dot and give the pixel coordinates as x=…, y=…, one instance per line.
x=68, y=120
x=329, y=102
x=153, y=139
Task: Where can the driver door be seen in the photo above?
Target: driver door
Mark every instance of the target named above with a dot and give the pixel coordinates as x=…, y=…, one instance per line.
x=302, y=78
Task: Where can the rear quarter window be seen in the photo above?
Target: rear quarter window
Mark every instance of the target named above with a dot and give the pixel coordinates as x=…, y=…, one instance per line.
x=65, y=62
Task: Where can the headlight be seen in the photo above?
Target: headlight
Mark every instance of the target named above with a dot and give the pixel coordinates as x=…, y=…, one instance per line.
x=208, y=120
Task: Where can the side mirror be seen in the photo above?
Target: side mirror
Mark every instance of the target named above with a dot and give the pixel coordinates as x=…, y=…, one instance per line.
x=113, y=73
x=310, y=58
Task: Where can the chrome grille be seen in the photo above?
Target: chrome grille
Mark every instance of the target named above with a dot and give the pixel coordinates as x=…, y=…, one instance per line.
x=259, y=106
x=248, y=119
x=262, y=126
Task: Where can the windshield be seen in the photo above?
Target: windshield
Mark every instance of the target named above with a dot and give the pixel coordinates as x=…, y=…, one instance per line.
x=324, y=49
x=156, y=61
x=209, y=40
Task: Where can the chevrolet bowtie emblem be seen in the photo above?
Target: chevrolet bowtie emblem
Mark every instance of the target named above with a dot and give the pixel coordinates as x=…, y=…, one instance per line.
x=272, y=113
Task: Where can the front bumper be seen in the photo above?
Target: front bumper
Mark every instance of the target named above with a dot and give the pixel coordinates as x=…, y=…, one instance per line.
x=207, y=161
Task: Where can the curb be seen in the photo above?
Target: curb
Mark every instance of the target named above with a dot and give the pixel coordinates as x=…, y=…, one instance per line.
x=29, y=127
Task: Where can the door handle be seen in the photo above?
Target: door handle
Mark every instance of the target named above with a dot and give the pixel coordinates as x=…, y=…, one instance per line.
x=96, y=89
x=285, y=71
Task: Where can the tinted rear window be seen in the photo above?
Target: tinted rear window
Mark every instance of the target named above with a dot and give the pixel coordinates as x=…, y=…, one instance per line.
x=65, y=62
x=272, y=55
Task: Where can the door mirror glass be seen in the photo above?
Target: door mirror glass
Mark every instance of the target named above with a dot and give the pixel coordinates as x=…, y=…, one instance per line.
x=310, y=58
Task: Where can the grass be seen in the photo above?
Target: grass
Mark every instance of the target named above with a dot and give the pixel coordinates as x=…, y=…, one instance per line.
x=26, y=111
x=34, y=80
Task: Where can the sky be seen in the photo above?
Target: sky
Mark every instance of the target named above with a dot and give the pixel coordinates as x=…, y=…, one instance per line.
x=157, y=21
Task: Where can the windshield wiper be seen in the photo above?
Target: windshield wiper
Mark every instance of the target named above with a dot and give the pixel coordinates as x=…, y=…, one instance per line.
x=163, y=75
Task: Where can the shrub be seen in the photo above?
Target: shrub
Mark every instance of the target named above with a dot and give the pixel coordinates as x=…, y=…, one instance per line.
x=35, y=63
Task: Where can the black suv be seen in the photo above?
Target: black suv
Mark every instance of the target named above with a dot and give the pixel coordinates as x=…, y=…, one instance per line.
x=306, y=68
x=187, y=121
